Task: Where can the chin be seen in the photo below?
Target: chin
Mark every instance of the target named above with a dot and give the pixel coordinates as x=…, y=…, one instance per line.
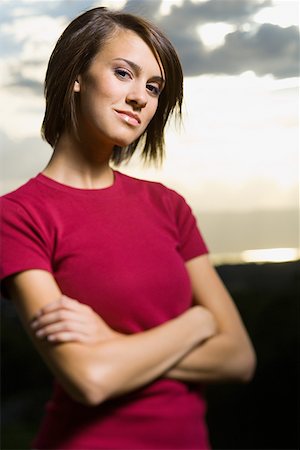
x=125, y=142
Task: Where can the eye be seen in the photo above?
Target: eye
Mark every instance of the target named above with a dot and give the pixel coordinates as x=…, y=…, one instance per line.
x=123, y=74
x=154, y=89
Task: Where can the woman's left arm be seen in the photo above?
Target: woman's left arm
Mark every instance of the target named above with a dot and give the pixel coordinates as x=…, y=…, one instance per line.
x=229, y=354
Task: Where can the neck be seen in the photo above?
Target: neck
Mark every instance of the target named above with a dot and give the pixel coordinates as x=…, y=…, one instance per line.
x=80, y=166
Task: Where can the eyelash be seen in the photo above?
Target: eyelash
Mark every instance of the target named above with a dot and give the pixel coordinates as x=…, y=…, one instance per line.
x=123, y=74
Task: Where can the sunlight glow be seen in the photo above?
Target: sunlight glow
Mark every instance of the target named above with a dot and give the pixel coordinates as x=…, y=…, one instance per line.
x=271, y=255
x=213, y=34
x=282, y=12
x=166, y=6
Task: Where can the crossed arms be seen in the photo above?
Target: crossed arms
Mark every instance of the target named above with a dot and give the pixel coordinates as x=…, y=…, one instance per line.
x=206, y=343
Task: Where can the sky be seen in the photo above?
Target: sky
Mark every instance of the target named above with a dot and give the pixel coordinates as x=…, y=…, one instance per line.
x=237, y=150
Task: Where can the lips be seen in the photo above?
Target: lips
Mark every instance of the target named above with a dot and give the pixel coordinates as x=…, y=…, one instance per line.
x=129, y=117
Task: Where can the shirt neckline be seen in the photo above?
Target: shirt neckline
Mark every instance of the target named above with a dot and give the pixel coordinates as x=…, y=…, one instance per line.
x=50, y=182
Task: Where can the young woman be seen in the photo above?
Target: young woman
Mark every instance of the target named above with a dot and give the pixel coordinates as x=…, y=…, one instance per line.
x=109, y=273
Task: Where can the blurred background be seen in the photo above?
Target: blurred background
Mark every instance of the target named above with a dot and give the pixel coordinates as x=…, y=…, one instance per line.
x=235, y=160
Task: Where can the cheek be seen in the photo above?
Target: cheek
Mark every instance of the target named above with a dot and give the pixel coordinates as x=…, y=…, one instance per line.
x=109, y=88
x=100, y=90
x=93, y=101
x=89, y=108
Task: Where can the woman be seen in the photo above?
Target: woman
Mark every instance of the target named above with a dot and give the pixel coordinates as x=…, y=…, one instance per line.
x=110, y=274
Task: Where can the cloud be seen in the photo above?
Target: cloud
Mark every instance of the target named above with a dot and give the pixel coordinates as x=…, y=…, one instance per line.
x=263, y=49
x=20, y=81
x=270, y=50
x=21, y=159
x=29, y=40
x=28, y=31
x=149, y=9
x=231, y=11
x=52, y=8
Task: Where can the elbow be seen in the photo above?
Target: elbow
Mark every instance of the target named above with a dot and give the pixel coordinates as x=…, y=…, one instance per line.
x=247, y=365
x=89, y=391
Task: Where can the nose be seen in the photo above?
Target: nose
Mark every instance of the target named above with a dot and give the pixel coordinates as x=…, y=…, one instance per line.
x=137, y=97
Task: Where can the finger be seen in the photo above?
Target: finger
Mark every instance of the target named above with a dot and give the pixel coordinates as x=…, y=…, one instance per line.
x=67, y=326
x=47, y=308
x=54, y=328
x=56, y=317
x=66, y=336
x=63, y=302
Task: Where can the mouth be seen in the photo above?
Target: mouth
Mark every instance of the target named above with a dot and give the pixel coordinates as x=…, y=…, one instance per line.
x=129, y=117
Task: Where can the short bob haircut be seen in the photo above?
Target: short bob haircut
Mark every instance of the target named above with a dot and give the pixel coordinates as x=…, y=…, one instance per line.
x=75, y=49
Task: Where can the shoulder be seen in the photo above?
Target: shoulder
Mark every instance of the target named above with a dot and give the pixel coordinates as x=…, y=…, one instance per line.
x=22, y=193
x=170, y=208
x=156, y=195
x=152, y=189
x=27, y=201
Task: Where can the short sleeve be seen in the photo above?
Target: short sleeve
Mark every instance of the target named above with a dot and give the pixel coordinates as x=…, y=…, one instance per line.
x=23, y=241
x=191, y=241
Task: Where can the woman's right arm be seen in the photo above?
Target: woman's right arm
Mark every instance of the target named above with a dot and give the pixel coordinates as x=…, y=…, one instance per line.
x=92, y=373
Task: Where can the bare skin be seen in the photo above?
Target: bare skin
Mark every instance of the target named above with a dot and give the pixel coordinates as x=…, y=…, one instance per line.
x=93, y=362
x=116, y=363
x=228, y=355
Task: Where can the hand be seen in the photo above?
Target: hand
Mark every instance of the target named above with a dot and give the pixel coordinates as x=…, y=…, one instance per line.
x=207, y=324
x=67, y=320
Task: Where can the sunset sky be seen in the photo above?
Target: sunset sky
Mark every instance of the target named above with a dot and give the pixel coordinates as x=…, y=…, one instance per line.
x=238, y=148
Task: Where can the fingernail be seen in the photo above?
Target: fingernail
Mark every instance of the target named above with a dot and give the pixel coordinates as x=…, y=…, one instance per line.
x=39, y=333
x=34, y=324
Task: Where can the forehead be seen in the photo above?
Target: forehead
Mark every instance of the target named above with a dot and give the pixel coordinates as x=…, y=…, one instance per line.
x=126, y=44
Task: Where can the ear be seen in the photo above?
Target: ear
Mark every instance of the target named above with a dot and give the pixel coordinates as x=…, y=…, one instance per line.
x=76, y=87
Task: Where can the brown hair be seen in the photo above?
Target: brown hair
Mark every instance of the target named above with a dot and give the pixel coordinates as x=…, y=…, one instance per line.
x=73, y=54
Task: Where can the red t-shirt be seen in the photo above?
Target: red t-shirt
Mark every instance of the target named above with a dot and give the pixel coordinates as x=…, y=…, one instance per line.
x=122, y=250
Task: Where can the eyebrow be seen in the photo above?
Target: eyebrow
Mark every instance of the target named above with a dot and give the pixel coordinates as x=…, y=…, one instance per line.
x=137, y=69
